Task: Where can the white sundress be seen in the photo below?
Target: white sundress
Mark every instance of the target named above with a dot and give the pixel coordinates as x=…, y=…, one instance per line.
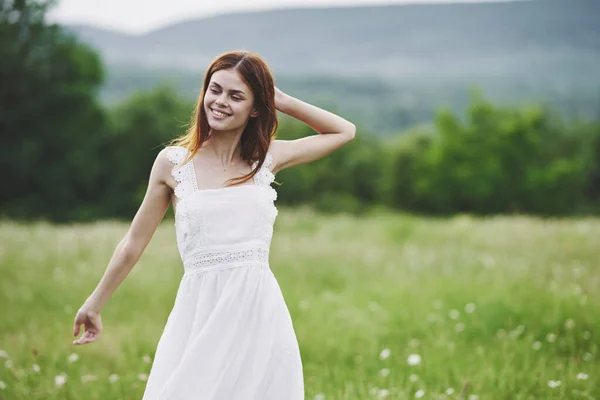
x=229, y=335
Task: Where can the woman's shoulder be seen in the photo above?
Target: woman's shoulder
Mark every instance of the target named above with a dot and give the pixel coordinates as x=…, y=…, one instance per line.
x=168, y=157
x=174, y=154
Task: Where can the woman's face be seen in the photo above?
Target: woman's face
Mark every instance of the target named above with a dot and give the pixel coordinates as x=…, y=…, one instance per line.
x=228, y=102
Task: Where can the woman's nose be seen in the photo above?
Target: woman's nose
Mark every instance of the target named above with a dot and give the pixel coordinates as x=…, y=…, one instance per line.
x=222, y=100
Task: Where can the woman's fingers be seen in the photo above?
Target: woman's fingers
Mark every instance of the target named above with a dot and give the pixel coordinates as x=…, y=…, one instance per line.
x=92, y=328
x=77, y=324
x=81, y=340
x=87, y=337
x=75, y=329
x=91, y=337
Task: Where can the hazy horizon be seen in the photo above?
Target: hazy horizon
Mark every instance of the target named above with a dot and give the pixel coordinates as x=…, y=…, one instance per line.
x=140, y=16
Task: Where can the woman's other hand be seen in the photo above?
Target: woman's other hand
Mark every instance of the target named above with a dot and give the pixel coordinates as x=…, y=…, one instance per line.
x=92, y=324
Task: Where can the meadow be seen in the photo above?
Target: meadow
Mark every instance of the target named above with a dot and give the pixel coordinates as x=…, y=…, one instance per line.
x=385, y=306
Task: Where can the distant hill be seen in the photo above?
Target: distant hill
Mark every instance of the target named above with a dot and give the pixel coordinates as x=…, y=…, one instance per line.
x=531, y=38
x=387, y=67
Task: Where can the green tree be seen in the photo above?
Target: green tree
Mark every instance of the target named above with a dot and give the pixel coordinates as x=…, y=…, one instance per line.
x=51, y=125
x=501, y=159
x=139, y=129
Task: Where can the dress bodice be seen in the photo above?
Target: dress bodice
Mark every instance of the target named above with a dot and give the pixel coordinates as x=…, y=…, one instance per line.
x=219, y=226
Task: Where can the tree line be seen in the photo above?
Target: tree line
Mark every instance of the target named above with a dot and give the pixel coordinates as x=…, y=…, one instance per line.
x=67, y=157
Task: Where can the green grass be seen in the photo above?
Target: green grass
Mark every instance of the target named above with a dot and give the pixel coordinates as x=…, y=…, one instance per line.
x=495, y=308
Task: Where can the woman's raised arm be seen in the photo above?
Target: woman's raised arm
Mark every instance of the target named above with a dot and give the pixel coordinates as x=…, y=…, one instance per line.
x=333, y=133
x=128, y=251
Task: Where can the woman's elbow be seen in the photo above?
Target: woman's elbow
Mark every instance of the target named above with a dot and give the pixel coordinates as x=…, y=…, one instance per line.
x=131, y=250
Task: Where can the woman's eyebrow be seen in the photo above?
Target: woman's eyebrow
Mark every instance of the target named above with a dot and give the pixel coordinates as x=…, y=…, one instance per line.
x=231, y=90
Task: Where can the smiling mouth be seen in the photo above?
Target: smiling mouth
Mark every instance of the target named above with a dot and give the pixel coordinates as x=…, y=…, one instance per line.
x=219, y=113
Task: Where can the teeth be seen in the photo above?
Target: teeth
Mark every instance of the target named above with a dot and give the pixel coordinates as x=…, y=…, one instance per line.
x=219, y=114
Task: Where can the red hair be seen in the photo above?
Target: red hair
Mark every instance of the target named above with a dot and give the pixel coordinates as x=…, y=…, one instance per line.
x=260, y=130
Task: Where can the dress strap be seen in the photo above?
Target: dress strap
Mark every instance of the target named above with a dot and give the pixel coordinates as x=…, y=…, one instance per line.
x=184, y=174
x=264, y=177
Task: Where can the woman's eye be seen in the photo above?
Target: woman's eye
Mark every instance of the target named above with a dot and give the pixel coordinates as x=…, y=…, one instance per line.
x=237, y=98
x=214, y=91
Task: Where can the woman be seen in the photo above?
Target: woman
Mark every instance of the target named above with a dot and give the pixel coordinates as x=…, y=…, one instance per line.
x=229, y=334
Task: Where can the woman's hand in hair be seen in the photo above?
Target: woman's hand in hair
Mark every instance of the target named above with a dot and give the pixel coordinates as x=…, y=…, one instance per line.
x=280, y=100
x=334, y=132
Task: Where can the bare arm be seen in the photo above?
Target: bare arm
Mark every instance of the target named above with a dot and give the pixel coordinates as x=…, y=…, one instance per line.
x=129, y=250
x=333, y=132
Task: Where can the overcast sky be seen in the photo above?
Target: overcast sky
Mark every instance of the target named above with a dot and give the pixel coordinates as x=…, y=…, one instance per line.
x=138, y=16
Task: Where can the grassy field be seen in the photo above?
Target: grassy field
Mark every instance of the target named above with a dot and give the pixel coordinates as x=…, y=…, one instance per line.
x=385, y=306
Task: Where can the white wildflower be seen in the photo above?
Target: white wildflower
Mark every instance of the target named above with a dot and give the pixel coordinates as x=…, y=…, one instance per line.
x=413, y=377
x=473, y=397
x=536, y=345
x=3, y=354
x=519, y=330
x=113, y=378
x=319, y=396
x=2, y=385
x=8, y=364
x=414, y=359
x=582, y=376
x=147, y=359
x=384, y=372
x=454, y=314
x=419, y=393
x=60, y=380
x=554, y=384
x=459, y=327
x=383, y=393
x=587, y=356
x=450, y=391
x=73, y=357
x=569, y=324
x=470, y=308
x=385, y=353
x=551, y=337
x=143, y=377
x=36, y=368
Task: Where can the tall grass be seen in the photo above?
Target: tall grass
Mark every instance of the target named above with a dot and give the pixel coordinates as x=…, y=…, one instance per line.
x=384, y=306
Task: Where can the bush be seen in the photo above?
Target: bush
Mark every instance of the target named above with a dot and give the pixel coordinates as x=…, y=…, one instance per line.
x=500, y=160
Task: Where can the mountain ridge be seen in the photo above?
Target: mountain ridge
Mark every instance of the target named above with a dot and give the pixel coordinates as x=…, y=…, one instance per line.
x=387, y=40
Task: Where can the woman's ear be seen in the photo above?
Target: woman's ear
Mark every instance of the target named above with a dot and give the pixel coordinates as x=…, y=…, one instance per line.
x=254, y=113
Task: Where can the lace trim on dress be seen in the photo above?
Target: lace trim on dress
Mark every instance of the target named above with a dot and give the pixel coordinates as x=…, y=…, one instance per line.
x=264, y=177
x=184, y=175
x=222, y=258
